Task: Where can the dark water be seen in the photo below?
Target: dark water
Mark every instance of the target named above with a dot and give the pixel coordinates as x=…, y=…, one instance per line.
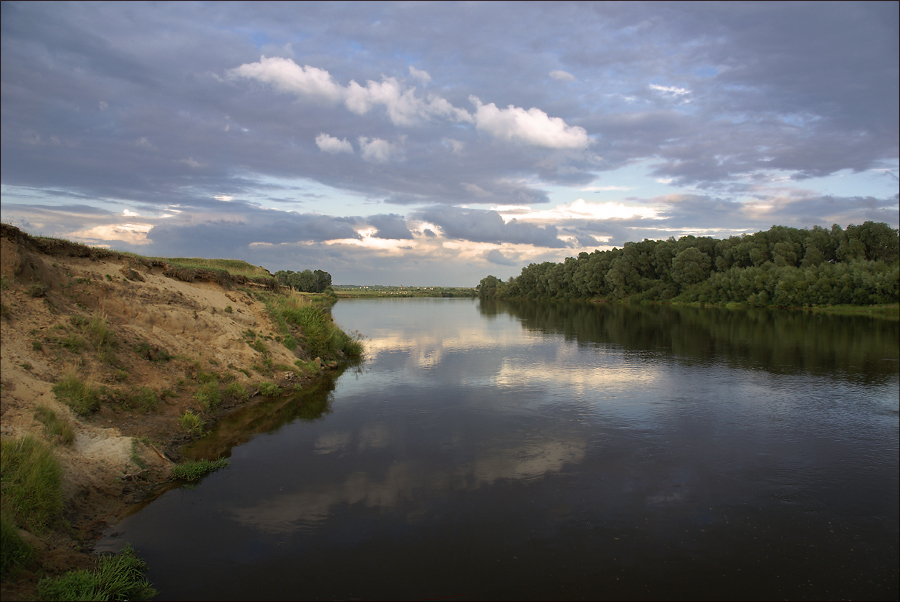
x=568, y=451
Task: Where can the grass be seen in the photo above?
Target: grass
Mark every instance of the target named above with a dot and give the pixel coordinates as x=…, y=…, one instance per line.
x=117, y=577
x=191, y=422
x=143, y=399
x=197, y=469
x=234, y=267
x=14, y=551
x=57, y=429
x=269, y=389
x=209, y=397
x=74, y=392
x=236, y=391
x=31, y=483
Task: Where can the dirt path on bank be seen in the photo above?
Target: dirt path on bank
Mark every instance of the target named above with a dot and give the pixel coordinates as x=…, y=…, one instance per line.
x=168, y=336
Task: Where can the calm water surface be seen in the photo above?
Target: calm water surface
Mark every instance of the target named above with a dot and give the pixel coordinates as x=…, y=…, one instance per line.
x=568, y=451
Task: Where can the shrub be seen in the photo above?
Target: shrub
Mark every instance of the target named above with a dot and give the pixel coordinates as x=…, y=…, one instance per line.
x=32, y=483
x=117, y=577
x=209, y=397
x=75, y=393
x=197, y=469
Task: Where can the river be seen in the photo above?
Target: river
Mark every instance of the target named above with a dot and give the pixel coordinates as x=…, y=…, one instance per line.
x=554, y=451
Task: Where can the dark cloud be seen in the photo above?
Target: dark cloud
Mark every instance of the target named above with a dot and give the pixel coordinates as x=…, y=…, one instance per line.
x=488, y=226
x=496, y=257
x=390, y=227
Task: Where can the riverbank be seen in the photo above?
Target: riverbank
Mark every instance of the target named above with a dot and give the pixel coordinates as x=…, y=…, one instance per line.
x=113, y=361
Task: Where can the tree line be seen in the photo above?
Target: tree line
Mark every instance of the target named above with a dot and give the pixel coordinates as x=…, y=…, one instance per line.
x=307, y=281
x=785, y=267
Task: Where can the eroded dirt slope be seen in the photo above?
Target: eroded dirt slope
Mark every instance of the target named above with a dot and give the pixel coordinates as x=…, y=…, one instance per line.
x=162, y=334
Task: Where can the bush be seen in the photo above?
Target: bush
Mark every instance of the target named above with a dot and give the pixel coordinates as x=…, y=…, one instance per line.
x=118, y=577
x=197, y=469
x=75, y=393
x=32, y=483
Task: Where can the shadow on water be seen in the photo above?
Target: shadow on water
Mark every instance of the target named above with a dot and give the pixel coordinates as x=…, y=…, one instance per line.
x=861, y=349
x=265, y=416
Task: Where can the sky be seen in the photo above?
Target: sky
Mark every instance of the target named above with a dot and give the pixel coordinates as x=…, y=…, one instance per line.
x=432, y=144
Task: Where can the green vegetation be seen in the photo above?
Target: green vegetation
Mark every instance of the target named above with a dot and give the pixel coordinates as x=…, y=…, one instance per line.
x=31, y=484
x=781, y=267
x=269, y=389
x=74, y=392
x=208, y=395
x=14, y=551
x=197, y=469
x=235, y=267
x=236, y=391
x=118, y=577
x=191, y=422
x=143, y=399
x=307, y=281
x=347, y=291
x=57, y=429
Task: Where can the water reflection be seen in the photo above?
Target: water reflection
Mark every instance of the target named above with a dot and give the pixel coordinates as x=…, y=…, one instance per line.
x=854, y=347
x=555, y=451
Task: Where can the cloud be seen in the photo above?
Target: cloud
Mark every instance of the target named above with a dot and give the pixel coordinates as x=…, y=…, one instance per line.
x=532, y=126
x=377, y=150
x=562, y=76
x=496, y=257
x=390, y=226
x=488, y=226
x=330, y=144
x=422, y=76
x=287, y=76
x=403, y=107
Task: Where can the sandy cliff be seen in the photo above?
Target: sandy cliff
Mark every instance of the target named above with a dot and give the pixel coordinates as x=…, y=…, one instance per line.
x=54, y=291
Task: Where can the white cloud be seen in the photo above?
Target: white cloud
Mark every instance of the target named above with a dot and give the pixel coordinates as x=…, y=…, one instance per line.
x=532, y=126
x=288, y=76
x=581, y=209
x=330, y=144
x=672, y=92
x=377, y=150
x=562, y=76
x=420, y=75
x=404, y=108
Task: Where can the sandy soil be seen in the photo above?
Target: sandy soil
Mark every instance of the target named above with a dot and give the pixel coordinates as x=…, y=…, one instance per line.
x=201, y=325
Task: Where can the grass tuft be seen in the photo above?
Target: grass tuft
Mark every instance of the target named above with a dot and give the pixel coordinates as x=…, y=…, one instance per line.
x=117, y=577
x=197, y=469
x=59, y=430
x=32, y=483
x=208, y=395
x=78, y=395
x=191, y=422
